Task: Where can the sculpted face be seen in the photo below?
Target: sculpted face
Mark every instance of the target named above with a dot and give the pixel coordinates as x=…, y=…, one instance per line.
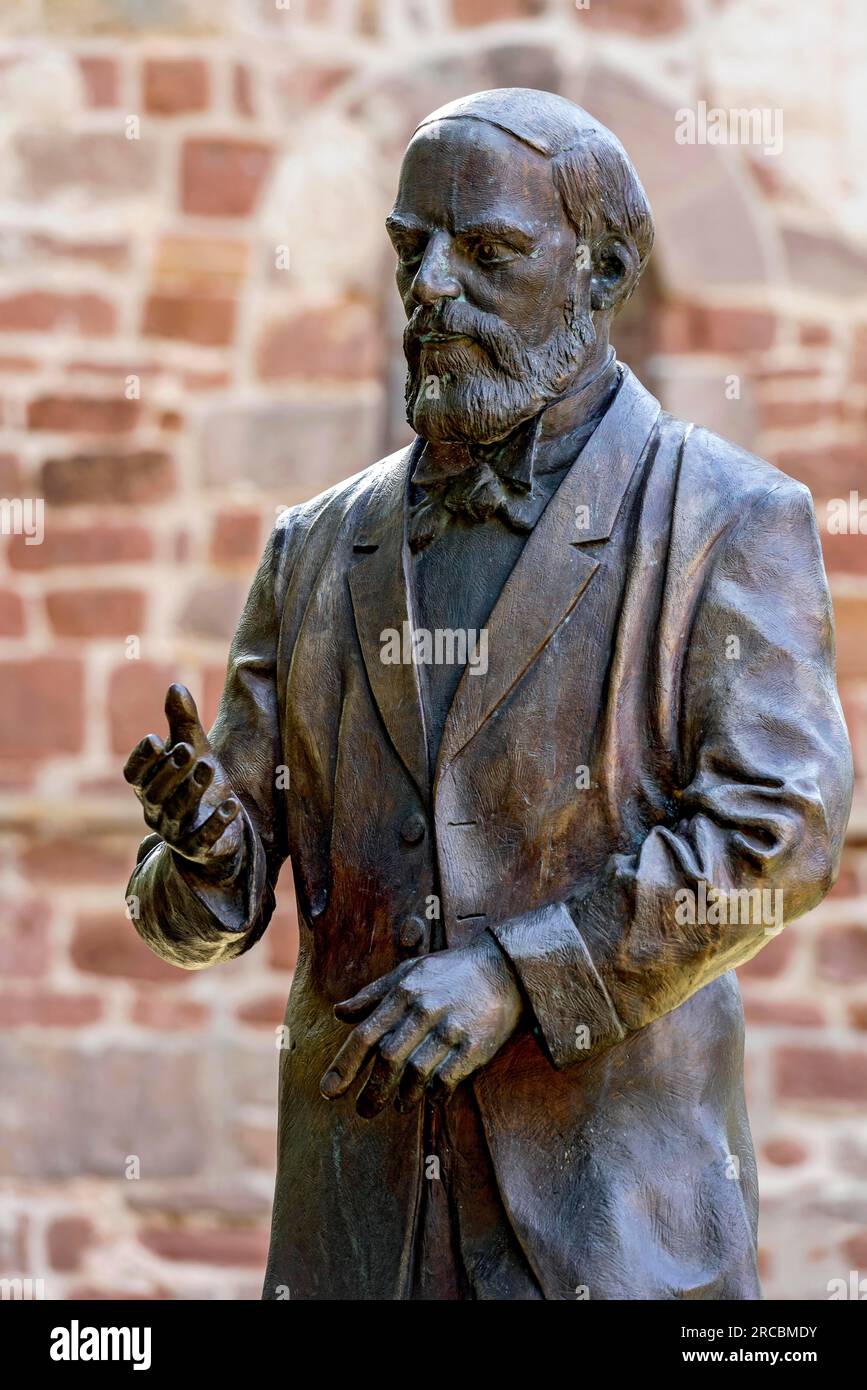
x=498, y=308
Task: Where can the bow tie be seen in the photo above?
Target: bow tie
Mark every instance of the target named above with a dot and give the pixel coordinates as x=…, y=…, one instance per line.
x=477, y=483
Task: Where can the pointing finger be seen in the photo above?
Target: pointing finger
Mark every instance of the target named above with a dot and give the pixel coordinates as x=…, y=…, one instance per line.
x=183, y=717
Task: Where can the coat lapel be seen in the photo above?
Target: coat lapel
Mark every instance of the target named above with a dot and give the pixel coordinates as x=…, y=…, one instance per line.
x=553, y=569
x=379, y=583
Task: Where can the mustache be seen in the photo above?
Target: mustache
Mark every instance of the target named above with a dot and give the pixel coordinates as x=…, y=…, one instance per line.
x=497, y=339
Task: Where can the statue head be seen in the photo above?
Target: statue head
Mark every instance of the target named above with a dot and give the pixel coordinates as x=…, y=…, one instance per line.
x=520, y=228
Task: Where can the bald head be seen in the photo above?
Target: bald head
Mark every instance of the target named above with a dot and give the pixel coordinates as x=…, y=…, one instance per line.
x=597, y=183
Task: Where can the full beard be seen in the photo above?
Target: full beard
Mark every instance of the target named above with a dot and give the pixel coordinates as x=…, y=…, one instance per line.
x=478, y=389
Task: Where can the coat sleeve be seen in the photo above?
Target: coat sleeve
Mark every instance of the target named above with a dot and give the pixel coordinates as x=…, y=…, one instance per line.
x=182, y=917
x=756, y=830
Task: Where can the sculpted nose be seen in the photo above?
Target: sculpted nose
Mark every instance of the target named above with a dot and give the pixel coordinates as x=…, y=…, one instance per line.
x=435, y=278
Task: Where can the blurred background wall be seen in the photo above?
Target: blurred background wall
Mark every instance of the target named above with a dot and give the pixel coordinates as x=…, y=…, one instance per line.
x=198, y=326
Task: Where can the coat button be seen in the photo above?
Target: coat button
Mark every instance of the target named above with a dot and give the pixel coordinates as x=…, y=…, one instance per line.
x=413, y=933
x=413, y=828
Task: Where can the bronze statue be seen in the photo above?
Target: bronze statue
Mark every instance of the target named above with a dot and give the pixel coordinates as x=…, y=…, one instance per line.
x=543, y=710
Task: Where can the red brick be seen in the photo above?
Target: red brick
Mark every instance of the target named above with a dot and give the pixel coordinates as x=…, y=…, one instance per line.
x=842, y=953
x=850, y=615
x=771, y=959
x=95, y=612
x=470, y=13
x=281, y=938
x=174, y=85
x=793, y=414
x=108, y=944
x=644, y=17
x=63, y=161
x=226, y=1247
x=47, y=311
x=67, y=1239
x=110, y=252
x=222, y=177
x=47, y=1010
x=10, y=476
x=843, y=554
x=12, y=623
x=90, y=857
x=814, y=334
x=829, y=470
x=41, y=707
x=858, y=1015
x=168, y=1015
x=257, y=1146
x=818, y=1074
x=797, y=1013
x=339, y=343
x=785, y=1152
x=83, y=414
x=208, y=320
x=24, y=938
x=267, y=1012
x=100, y=77
x=236, y=537
x=855, y=1250
x=738, y=330
x=136, y=696
x=242, y=90
x=105, y=544
x=135, y=478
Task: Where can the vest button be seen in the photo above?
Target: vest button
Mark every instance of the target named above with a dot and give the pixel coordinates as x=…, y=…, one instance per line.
x=413, y=933
x=413, y=828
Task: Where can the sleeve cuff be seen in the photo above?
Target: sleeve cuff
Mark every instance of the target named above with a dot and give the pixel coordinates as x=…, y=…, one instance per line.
x=569, y=1000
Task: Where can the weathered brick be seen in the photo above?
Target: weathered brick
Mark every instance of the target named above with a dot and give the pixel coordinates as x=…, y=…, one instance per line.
x=339, y=343
x=850, y=616
x=100, y=162
x=842, y=953
x=226, y=1247
x=44, y=1009
x=48, y=311
x=213, y=608
x=267, y=1012
x=12, y=620
x=70, y=1112
x=41, y=707
x=236, y=537
x=24, y=943
x=168, y=1015
x=90, y=857
x=821, y=1074
x=223, y=177
x=146, y=475
x=208, y=320
x=785, y=1152
x=106, y=544
x=67, y=1239
x=136, y=696
x=108, y=944
x=83, y=414
x=101, y=80
x=829, y=470
x=798, y=1013
x=95, y=612
x=174, y=85
x=771, y=960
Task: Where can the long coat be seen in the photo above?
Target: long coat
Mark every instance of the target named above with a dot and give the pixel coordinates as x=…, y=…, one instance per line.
x=657, y=735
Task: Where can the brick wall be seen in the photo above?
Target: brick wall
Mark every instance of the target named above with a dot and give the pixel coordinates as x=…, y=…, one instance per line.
x=198, y=326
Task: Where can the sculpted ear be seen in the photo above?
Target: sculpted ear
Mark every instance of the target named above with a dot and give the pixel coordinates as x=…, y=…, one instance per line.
x=616, y=268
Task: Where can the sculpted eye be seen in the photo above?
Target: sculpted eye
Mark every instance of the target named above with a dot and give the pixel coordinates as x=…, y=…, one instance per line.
x=493, y=253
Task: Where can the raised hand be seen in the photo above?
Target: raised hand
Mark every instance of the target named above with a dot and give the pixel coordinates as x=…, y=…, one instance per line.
x=185, y=795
